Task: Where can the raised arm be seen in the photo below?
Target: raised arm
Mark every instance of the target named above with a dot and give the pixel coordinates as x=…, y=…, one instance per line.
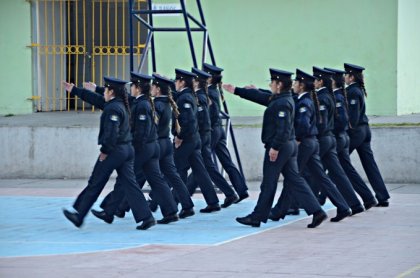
x=86, y=95
x=251, y=94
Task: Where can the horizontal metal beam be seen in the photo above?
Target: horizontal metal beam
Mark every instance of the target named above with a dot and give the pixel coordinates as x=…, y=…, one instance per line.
x=156, y=12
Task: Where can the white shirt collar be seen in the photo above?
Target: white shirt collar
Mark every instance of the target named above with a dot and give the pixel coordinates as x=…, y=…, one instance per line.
x=336, y=89
x=317, y=90
x=350, y=84
x=301, y=95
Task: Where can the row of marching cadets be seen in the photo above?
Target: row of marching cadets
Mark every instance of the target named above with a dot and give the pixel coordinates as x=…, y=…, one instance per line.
x=135, y=141
x=308, y=133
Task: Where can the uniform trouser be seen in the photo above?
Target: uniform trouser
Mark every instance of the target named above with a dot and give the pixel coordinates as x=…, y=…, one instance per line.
x=219, y=146
x=211, y=168
x=308, y=160
x=121, y=160
x=329, y=158
x=360, y=140
x=167, y=166
x=188, y=155
x=296, y=187
x=146, y=165
x=343, y=143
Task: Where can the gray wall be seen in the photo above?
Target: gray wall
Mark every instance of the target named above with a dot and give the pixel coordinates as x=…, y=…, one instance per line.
x=70, y=152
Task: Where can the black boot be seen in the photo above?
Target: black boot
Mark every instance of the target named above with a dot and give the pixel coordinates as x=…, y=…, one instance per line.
x=318, y=218
x=186, y=213
x=370, y=204
x=357, y=209
x=168, y=219
x=383, y=204
x=293, y=211
x=248, y=220
x=210, y=208
x=230, y=200
x=242, y=197
x=341, y=215
x=103, y=216
x=74, y=218
x=149, y=222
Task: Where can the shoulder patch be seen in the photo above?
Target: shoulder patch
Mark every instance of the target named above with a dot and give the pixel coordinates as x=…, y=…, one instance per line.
x=302, y=109
x=114, y=118
x=353, y=101
x=282, y=114
x=187, y=105
x=142, y=117
x=338, y=104
x=200, y=108
x=322, y=107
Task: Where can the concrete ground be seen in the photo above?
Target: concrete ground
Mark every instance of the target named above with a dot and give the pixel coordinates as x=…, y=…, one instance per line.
x=382, y=242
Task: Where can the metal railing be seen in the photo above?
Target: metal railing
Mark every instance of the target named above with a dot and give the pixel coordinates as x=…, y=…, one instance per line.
x=78, y=41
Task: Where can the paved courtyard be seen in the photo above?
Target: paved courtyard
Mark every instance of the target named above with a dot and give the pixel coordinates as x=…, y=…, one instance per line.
x=37, y=241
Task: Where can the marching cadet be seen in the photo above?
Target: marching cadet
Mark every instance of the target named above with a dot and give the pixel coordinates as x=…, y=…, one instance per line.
x=166, y=107
x=359, y=132
x=218, y=134
x=146, y=163
x=278, y=136
x=308, y=158
x=204, y=127
x=187, y=140
x=341, y=125
x=326, y=138
x=116, y=153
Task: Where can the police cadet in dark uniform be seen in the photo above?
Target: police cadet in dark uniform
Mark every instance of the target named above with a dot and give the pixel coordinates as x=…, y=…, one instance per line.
x=359, y=132
x=278, y=136
x=166, y=107
x=341, y=125
x=218, y=134
x=116, y=154
x=308, y=158
x=146, y=163
x=327, y=143
x=204, y=127
x=187, y=140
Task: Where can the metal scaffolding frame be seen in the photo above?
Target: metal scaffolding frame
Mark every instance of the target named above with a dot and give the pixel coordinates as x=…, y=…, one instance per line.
x=150, y=45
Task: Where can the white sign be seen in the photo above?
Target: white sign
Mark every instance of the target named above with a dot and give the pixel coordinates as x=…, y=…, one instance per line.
x=167, y=6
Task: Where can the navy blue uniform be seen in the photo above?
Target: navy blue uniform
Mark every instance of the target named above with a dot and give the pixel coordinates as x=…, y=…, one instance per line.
x=341, y=125
x=328, y=152
x=204, y=126
x=308, y=154
x=360, y=137
x=219, y=145
x=166, y=160
x=278, y=133
x=115, y=140
x=146, y=163
x=189, y=153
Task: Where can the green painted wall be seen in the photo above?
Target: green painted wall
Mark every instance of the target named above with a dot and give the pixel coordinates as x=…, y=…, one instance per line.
x=408, y=57
x=15, y=57
x=250, y=36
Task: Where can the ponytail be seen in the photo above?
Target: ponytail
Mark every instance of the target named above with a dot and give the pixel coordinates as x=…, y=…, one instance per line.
x=358, y=77
x=145, y=89
x=121, y=92
x=166, y=91
x=309, y=86
x=202, y=84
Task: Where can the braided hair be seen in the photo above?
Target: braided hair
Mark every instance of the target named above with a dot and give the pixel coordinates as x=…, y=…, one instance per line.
x=145, y=90
x=309, y=87
x=121, y=92
x=189, y=84
x=339, y=84
x=202, y=84
x=217, y=80
x=358, y=77
x=327, y=82
x=166, y=91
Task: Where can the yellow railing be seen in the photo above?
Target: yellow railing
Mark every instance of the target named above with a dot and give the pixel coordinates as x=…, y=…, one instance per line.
x=78, y=41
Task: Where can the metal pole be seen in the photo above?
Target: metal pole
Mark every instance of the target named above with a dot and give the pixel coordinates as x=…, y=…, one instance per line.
x=153, y=37
x=187, y=25
x=203, y=21
x=130, y=9
x=145, y=51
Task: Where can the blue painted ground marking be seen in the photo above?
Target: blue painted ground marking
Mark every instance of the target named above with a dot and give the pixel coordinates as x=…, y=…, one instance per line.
x=33, y=226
